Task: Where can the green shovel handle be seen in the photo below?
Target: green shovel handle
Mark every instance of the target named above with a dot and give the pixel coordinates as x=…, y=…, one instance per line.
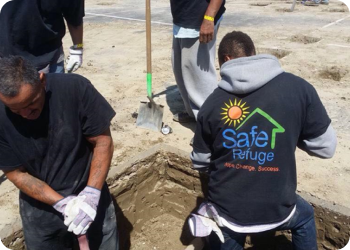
x=149, y=85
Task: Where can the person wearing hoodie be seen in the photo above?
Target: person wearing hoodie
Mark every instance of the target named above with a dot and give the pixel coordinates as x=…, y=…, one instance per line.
x=246, y=136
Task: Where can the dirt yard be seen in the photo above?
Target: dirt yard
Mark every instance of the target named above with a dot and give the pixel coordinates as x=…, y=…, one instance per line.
x=115, y=62
x=311, y=42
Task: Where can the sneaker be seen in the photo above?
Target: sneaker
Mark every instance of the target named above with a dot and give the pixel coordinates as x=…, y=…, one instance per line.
x=183, y=117
x=325, y=2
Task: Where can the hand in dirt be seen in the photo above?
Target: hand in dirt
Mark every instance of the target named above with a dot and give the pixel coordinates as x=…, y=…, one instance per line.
x=206, y=31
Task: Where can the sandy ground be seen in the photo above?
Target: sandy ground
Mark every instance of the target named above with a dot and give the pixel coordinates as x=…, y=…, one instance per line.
x=167, y=228
x=315, y=43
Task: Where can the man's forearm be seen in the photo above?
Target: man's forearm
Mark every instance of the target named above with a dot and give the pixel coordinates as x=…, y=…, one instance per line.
x=76, y=32
x=213, y=7
x=207, y=27
x=101, y=159
x=32, y=186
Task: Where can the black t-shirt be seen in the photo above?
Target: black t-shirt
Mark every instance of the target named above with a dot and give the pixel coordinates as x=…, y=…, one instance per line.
x=54, y=148
x=190, y=13
x=252, y=140
x=34, y=29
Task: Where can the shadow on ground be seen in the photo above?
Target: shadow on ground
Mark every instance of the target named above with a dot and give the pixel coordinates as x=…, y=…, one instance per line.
x=2, y=178
x=175, y=103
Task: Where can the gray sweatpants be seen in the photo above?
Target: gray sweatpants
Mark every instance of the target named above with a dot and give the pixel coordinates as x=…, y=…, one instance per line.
x=194, y=70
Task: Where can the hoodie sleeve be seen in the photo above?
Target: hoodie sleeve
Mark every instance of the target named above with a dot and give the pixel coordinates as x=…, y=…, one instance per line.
x=201, y=153
x=322, y=146
x=317, y=137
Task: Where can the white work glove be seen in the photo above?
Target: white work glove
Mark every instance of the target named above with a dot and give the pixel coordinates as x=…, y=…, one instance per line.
x=75, y=59
x=201, y=226
x=61, y=205
x=81, y=211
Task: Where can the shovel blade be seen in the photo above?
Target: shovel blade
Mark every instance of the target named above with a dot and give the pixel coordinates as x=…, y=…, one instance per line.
x=150, y=116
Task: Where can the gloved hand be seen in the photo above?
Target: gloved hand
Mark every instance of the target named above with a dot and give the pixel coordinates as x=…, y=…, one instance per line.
x=75, y=59
x=61, y=205
x=81, y=211
x=201, y=226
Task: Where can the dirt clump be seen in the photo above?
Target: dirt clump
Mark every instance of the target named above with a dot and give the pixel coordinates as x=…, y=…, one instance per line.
x=334, y=73
x=305, y=39
x=279, y=53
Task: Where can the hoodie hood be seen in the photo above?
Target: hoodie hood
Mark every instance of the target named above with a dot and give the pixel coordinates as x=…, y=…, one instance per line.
x=246, y=74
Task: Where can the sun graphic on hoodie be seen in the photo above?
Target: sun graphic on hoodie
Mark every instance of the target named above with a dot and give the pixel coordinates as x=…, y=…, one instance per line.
x=234, y=112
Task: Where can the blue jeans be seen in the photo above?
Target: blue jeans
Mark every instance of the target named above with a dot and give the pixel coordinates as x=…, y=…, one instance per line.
x=302, y=225
x=316, y=1
x=57, y=68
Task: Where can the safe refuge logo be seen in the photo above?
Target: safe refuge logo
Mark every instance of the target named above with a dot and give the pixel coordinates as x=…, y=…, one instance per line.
x=255, y=144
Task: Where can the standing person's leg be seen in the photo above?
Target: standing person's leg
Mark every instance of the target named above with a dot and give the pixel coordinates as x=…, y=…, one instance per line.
x=176, y=59
x=57, y=67
x=233, y=240
x=302, y=225
x=198, y=70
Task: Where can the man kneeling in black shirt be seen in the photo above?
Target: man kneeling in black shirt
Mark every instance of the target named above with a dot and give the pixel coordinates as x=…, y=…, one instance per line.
x=246, y=136
x=56, y=147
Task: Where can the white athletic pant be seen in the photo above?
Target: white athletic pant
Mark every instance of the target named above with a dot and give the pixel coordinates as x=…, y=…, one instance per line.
x=194, y=70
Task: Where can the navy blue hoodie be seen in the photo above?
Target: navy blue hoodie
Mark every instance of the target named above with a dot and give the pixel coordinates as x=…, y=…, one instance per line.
x=247, y=133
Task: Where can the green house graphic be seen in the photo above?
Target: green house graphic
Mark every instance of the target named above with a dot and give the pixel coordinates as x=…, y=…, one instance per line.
x=277, y=127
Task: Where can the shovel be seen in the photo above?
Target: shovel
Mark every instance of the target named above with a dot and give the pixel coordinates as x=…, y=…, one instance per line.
x=150, y=114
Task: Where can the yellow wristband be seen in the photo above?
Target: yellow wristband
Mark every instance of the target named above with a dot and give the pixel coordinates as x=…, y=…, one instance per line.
x=209, y=18
x=78, y=46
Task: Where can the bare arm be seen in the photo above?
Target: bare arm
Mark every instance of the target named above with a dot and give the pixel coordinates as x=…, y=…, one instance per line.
x=101, y=160
x=207, y=27
x=32, y=186
x=76, y=32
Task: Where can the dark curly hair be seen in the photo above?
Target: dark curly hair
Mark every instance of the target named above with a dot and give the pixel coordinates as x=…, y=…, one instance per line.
x=235, y=44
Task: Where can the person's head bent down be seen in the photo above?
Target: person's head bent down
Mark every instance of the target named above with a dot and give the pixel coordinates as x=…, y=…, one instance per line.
x=234, y=45
x=22, y=88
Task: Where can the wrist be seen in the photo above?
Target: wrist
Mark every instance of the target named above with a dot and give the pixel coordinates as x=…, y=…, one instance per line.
x=74, y=51
x=89, y=190
x=57, y=202
x=56, y=199
x=209, y=18
x=92, y=188
x=78, y=46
